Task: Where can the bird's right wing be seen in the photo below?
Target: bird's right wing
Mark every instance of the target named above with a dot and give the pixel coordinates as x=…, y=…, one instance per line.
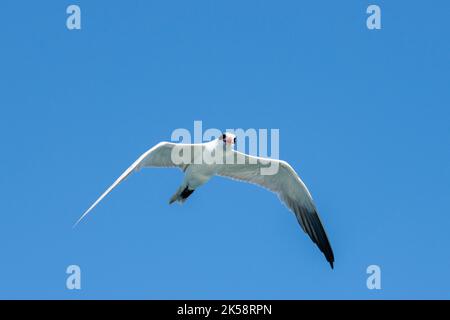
x=291, y=190
x=161, y=155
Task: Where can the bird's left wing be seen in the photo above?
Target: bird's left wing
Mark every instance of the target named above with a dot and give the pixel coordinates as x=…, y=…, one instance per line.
x=161, y=155
x=291, y=190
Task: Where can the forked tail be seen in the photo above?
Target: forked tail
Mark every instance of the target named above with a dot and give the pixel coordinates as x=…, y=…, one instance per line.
x=181, y=195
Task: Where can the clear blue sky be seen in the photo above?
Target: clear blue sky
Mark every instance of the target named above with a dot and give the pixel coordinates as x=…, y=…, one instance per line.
x=363, y=116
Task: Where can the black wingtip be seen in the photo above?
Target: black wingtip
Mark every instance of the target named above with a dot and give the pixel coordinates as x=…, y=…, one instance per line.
x=331, y=264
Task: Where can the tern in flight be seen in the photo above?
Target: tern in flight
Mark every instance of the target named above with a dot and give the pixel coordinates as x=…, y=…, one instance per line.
x=242, y=167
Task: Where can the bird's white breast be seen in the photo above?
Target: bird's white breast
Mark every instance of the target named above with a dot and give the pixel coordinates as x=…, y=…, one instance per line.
x=202, y=170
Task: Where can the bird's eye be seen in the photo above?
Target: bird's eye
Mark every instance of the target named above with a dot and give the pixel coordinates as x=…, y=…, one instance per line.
x=224, y=136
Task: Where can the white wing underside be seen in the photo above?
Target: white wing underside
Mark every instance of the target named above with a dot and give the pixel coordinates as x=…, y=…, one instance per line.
x=158, y=156
x=290, y=189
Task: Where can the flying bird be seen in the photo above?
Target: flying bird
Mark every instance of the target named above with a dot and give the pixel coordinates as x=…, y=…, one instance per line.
x=190, y=158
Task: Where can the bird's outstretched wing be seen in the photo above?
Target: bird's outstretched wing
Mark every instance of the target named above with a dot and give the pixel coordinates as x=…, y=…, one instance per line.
x=161, y=155
x=288, y=186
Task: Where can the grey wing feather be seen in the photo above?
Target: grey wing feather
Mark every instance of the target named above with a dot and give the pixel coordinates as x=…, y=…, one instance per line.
x=290, y=189
x=158, y=156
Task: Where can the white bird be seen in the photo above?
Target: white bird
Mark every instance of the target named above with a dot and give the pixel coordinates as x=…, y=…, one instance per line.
x=235, y=165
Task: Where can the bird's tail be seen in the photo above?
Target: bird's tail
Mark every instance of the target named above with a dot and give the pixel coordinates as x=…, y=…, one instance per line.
x=181, y=195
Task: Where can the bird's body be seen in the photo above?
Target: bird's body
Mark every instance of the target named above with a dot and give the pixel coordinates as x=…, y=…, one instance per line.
x=198, y=172
x=200, y=162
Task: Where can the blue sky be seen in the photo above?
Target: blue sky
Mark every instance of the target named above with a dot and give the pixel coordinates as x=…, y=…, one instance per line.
x=363, y=117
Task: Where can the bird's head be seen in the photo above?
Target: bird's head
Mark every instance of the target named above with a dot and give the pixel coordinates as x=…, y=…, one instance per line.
x=228, y=139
